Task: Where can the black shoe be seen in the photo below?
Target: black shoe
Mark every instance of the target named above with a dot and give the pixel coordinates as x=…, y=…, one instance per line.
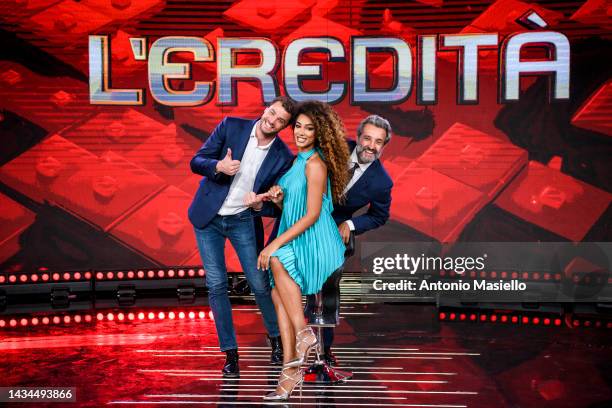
x=231, y=368
x=276, y=358
x=329, y=357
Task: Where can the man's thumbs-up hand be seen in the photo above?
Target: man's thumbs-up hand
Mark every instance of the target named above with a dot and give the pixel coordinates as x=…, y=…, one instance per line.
x=228, y=165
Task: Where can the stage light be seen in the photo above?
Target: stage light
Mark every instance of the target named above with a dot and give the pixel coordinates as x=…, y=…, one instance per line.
x=120, y=317
x=56, y=320
x=150, y=274
x=110, y=317
x=201, y=315
x=161, y=274
x=483, y=318
x=23, y=322
x=34, y=278
x=45, y=320
x=12, y=279
x=191, y=315
x=130, y=275
x=140, y=274
x=181, y=315
x=536, y=276
x=161, y=315
x=462, y=316
x=452, y=316
x=77, y=319
x=181, y=273
x=576, y=323
x=141, y=316
x=56, y=276
x=120, y=275
x=525, y=320
x=525, y=275
x=171, y=316
x=88, y=318
x=472, y=274
x=547, y=276
x=13, y=323
x=99, y=276
x=23, y=278
x=110, y=275
x=472, y=317
x=493, y=275
x=151, y=316
x=442, y=316
x=514, y=319
x=2, y=323
x=546, y=321
x=87, y=275
x=504, y=275
x=2, y=279
x=536, y=320
x=483, y=274
x=130, y=316
x=67, y=319
x=514, y=275
x=504, y=319
x=35, y=321
x=171, y=273
x=45, y=277
x=191, y=273
x=557, y=322
x=442, y=272
x=66, y=276
x=587, y=323
x=211, y=315
x=493, y=318
x=77, y=275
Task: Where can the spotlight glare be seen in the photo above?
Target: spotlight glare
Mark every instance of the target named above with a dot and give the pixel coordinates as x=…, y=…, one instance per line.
x=120, y=317
x=151, y=316
x=141, y=316
x=35, y=321
x=181, y=315
x=191, y=315
x=201, y=315
x=45, y=320
x=100, y=316
x=130, y=316
x=67, y=319
x=23, y=322
x=161, y=315
x=110, y=317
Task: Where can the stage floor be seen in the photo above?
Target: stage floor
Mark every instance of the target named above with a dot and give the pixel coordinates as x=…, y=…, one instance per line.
x=401, y=355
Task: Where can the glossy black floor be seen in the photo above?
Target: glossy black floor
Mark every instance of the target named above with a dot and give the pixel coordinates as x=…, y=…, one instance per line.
x=400, y=354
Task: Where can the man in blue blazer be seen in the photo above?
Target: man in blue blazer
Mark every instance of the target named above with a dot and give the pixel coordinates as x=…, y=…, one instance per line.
x=370, y=186
x=239, y=157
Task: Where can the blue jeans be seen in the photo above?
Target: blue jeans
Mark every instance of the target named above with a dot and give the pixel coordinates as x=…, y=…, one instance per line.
x=240, y=230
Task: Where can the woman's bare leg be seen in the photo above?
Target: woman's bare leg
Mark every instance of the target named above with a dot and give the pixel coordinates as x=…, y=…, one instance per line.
x=285, y=327
x=290, y=294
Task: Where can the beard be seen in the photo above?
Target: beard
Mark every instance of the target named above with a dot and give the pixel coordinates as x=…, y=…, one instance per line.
x=363, y=158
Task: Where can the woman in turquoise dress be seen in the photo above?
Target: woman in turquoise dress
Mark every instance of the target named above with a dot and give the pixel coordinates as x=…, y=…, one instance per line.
x=308, y=248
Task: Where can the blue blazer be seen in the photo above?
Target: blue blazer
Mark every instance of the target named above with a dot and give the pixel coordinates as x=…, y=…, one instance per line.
x=374, y=189
x=233, y=133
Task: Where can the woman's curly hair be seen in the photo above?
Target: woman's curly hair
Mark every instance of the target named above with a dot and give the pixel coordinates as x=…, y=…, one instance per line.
x=330, y=139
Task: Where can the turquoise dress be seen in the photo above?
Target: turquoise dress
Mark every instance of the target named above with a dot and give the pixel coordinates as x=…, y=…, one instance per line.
x=311, y=257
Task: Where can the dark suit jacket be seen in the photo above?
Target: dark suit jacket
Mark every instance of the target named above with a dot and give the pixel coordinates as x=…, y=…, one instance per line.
x=233, y=133
x=374, y=189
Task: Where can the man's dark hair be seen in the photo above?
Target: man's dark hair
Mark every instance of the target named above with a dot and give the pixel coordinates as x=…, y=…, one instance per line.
x=289, y=105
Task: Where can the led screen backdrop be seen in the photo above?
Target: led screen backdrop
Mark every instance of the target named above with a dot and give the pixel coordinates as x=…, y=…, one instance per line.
x=96, y=143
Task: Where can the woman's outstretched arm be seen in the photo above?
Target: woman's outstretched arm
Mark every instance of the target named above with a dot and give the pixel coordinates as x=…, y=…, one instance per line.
x=316, y=181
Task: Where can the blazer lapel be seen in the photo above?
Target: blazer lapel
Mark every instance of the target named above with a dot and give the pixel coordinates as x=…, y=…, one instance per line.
x=267, y=165
x=362, y=184
x=243, y=140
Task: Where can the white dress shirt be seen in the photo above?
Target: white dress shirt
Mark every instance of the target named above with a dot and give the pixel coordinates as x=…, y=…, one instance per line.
x=244, y=180
x=361, y=168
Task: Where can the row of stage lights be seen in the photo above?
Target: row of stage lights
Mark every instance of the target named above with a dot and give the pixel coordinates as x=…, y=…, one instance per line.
x=515, y=319
x=532, y=276
x=68, y=319
x=54, y=277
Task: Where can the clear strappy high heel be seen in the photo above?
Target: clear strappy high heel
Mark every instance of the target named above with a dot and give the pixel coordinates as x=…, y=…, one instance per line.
x=306, y=340
x=297, y=379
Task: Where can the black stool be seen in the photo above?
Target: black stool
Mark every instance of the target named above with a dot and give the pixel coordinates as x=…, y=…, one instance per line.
x=326, y=313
